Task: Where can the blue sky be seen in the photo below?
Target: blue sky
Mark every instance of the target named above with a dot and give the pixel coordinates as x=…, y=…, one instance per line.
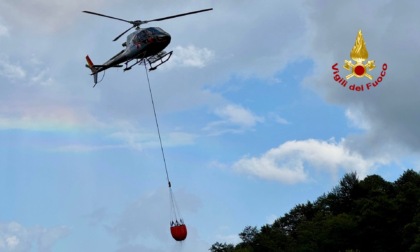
x=251, y=118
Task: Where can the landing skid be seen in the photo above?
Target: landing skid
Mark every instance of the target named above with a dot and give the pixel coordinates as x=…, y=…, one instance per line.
x=129, y=67
x=160, y=59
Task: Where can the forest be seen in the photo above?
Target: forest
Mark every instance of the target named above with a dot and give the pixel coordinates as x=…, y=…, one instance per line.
x=357, y=215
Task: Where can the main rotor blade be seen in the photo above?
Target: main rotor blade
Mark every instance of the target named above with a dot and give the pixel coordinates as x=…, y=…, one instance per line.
x=175, y=16
x=119, y=36
x=102, y=15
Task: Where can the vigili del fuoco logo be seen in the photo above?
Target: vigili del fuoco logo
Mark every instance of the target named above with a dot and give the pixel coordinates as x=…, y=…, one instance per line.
x=359, y=69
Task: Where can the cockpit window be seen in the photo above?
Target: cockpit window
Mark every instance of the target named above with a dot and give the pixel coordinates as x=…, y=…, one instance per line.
x=141, y=35
x=153, y=30
x=156, y=30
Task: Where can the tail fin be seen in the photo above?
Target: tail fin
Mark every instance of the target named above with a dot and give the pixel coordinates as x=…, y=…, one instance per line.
x=93, y=69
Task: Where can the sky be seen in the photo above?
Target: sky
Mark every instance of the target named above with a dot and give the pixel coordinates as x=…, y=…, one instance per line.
x=252, y=120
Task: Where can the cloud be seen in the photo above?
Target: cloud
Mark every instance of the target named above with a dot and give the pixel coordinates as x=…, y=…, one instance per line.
x=48, y=236
x=357, y=119
x=292, y=161
x=137, y=138
x=278, y=119
x=235, y=119
x=10, y=70
x=84, y=148
x=4, y=31
x=238, y=115
x=43, y=77
x=29, y=72
x=43, y=15
x=190, y=56
x=14, y=237
x=388, y=114
x=41, y=117
x=236, y=47
x=148, y=219
x=97, y=216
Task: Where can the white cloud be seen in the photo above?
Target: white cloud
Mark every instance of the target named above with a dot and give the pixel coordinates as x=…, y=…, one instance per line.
x=14, y=237
x=148, y=219
x=83, y=148
x=177, y=138
x=278, y=119
x=235, y=119
x=140, y=139
x=43, y=77
x=190, y=56
x=9, y=243
x=291, y=162
x=238, y=115
x=357, y=119
x=267, y=167
x=10, y=70
x=136, y=139
x=48, y=236
x=43, y=15
x=43, y=117
x=4, y=31
x=31, y=71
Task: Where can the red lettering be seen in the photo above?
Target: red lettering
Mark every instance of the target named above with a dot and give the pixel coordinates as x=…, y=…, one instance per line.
x=343, y=82
x=334, y=67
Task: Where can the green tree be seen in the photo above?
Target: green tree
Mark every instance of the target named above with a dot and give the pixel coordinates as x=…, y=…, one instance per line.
x=222, y=247
x=248, y=235
x=271, y=239
x=357, y=215
x=408, y=200
x=342, y=196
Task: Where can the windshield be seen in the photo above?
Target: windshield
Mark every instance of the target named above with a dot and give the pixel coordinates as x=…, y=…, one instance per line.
x=156, y=30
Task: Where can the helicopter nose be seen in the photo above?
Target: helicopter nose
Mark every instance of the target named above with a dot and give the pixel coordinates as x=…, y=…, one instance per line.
x=166, y=38
x=163, y=39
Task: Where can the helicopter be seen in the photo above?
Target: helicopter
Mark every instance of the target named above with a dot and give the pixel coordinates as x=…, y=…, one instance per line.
x=144, y=45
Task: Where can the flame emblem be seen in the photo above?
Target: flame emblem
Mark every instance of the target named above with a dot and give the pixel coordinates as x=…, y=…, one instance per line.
x=359, y=54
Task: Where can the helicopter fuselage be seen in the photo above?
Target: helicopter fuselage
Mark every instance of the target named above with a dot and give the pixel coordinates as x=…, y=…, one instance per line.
x=140, y=44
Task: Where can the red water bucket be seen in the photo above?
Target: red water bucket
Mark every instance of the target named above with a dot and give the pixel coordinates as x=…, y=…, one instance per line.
x=179, y=232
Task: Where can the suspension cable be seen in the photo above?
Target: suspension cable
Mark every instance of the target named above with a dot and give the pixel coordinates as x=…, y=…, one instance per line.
x=157, y=126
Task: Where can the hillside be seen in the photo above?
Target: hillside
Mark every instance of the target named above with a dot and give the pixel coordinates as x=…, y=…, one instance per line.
x=357, y=215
